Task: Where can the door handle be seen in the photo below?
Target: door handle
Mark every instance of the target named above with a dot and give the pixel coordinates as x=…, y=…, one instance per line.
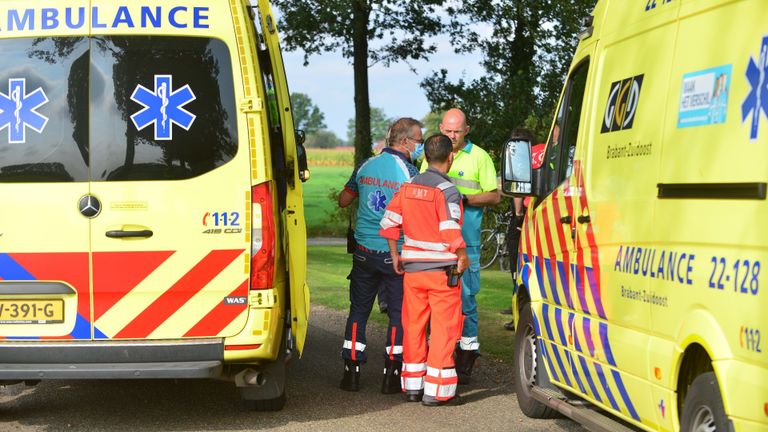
x=566, y=220
x=119, y=234
x=584, y=219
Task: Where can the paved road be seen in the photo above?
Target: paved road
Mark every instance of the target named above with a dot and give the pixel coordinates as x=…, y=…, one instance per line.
x=314, y=401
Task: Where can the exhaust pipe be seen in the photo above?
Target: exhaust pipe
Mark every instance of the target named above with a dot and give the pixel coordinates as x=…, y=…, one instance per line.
x=254, y=378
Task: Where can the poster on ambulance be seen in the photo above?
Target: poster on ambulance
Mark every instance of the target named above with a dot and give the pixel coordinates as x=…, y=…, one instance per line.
x=704, y=98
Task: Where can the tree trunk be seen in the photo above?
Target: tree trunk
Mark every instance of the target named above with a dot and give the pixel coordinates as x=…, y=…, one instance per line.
x=361, y=11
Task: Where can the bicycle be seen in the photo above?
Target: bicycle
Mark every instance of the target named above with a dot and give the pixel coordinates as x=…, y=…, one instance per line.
x=493, y=241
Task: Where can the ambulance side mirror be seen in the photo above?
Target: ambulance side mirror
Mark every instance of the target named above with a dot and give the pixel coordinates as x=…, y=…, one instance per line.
x=517, y=174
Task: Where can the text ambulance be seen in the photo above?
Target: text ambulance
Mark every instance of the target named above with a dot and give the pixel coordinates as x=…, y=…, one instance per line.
x=641, y=285
x=151, y=214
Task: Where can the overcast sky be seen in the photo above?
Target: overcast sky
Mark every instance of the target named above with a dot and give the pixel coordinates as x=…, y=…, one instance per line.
x=328, y=80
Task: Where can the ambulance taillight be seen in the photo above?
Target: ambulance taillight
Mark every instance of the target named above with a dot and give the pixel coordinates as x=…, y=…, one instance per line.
x=262, y=237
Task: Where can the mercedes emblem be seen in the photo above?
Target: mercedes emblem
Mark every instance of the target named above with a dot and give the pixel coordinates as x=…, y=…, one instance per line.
x=90, y=206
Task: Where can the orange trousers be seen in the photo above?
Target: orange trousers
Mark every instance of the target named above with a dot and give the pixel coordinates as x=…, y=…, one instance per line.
x=428, y=298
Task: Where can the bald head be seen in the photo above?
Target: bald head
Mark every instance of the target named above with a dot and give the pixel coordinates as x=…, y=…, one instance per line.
x=454, y=126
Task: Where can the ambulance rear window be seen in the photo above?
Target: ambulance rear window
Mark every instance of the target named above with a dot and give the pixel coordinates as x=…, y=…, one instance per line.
x=162, y=108
x=74, y=109
x=44, y=110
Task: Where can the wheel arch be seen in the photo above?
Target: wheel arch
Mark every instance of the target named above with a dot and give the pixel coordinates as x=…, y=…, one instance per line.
x=701, y=344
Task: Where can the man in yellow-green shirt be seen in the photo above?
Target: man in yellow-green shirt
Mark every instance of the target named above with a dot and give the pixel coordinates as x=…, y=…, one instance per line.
x=474, y=175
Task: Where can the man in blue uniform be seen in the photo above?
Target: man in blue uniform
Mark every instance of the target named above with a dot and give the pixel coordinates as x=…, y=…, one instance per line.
x=374, y=183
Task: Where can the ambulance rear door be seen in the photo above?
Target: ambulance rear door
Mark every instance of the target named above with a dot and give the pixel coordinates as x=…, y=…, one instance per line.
x=282, y=133
x=172, y=176
x=44, y=235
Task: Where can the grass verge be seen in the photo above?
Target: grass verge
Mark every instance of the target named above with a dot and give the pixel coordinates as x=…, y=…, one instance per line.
x=318, y=206
x=328, y=267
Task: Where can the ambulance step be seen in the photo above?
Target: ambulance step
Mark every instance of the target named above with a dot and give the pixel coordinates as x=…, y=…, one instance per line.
x=158, y=370
x=593, y=420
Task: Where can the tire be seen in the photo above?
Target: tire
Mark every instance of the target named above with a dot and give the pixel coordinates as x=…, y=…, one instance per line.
x=525, y=360
x=703, y=409
x=489, y=248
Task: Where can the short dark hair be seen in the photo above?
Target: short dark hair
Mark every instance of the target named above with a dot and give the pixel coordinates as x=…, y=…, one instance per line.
x=401, y=129
x=522, y=134
x=437, y=148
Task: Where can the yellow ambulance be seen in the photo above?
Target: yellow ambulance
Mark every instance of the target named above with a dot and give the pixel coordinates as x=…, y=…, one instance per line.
x=151, y=214
x=640, y=290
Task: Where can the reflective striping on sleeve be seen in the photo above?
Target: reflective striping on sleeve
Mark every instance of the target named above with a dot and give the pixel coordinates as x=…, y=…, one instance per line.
x=449, y=225
x=454, y=210
x=394, y=216
x=387, y=223
x=445, y=185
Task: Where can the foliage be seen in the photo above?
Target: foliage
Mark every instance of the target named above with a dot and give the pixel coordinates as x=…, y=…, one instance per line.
x=432, y=122
x=379, y=126
x=307, y=115
x=366, y=32
x=526, y=55
x=323, y=139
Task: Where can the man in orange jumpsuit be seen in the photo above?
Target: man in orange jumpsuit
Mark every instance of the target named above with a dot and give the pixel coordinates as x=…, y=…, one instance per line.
x=428, y=209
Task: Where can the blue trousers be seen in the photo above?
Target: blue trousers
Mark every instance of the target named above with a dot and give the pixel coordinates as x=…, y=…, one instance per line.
x=470, y=286
x=369, y=271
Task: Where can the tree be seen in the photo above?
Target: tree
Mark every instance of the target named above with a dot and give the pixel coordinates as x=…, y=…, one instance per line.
x=307, y=115
x=431, y=123
x=323, y=139
x=367, y=32
x=379, y=126
x=526, y=58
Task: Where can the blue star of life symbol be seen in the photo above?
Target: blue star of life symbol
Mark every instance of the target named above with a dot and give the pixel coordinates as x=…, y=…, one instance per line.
x=461, y=173
x=377, y=201
x=757, y=100
x=163, y=107
x=18, y=110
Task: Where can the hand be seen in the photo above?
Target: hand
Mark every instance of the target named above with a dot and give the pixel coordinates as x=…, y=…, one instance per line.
x=397, y=264
x=463, y=263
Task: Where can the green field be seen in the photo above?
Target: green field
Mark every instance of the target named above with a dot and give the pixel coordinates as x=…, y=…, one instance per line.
x=318, y=206
x=330, y=170
x=329, y=266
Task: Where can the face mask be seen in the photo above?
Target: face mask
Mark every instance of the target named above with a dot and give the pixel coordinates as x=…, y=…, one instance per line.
x=417, y=152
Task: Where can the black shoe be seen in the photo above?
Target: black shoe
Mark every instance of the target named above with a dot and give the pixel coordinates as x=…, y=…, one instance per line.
x=383, y=307
x=465, y=361
x=391, y=382
x=507, y=311
x=351, y=380
x=510, y=326
x=413, y=396
x=432, y=402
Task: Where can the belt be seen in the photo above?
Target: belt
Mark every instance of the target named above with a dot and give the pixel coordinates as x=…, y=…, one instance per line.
x=370, y=251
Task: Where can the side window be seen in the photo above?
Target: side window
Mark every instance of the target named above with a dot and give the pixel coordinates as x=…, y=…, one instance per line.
x=162, y=108
x=44, y=110
x=562, y=146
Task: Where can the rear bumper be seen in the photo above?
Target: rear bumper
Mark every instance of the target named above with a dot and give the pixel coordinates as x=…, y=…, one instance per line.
x=111, y=360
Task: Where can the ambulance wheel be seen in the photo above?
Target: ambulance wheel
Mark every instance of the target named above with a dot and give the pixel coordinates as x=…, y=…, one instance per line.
x=703, y=406
x=525, y=360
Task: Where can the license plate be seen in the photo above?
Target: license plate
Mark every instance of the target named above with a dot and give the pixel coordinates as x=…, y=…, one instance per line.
x=32, y=311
